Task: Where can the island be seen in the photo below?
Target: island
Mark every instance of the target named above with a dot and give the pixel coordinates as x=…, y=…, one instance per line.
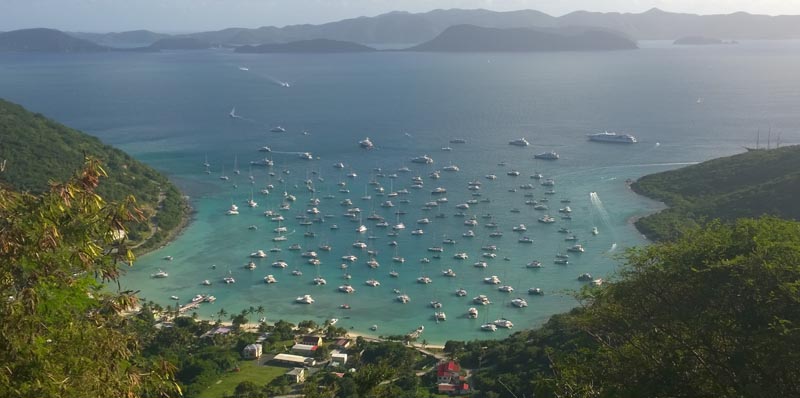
x=179, y=43
x=700, y=41
x=470, y=38
x=750, y=184
x=46, y=40
x=36, y=150
x=307, y=46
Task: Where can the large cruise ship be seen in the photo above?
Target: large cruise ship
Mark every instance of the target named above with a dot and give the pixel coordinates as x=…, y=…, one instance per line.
x=613, y=137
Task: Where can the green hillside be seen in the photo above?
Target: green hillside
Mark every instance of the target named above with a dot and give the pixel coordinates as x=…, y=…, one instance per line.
x=36, y=150
x=751, y=184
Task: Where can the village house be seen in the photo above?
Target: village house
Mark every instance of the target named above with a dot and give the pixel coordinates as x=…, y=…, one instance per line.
x=449, y=379
x=296, y=375
x=252, y=351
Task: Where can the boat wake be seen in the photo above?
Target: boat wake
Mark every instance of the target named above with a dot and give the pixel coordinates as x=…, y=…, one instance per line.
x=601, y=210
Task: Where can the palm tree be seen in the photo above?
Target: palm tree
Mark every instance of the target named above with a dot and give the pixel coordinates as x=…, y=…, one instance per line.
x=260, y=310
x=221, y=314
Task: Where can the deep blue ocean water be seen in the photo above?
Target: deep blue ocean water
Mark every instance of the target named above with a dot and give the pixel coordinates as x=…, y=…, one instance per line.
x=171, y=110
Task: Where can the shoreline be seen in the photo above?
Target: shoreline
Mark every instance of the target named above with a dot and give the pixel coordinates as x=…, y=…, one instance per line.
x=173, y=235
x=253, y=327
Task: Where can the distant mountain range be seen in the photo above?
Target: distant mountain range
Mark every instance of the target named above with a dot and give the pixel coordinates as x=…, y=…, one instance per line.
x=408, y=28
x=470, y=38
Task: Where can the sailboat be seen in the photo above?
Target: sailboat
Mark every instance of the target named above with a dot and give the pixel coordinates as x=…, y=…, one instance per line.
x=251, y=202
x=223, y=176
x=205, y=163
x=236, y=165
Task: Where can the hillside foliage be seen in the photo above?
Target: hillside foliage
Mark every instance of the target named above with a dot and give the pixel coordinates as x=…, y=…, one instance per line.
x=751, y=184
x=36, y=151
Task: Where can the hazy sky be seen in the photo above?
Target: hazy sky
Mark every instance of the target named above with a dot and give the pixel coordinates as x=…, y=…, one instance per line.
x=197, y=15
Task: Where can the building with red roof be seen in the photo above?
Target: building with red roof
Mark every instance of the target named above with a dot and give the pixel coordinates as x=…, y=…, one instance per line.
x=449, y=379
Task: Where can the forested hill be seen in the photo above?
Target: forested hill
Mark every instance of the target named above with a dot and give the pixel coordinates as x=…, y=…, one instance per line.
x=36, y=150
x=751, y=184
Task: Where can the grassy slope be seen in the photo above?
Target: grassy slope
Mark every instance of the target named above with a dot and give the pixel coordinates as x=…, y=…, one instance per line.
x=745, y=185
x=37, y=150
x=248, y=370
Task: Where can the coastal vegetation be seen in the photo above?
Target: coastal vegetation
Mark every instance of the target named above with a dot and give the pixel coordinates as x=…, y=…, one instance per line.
x=35, y=151
x=750, y=184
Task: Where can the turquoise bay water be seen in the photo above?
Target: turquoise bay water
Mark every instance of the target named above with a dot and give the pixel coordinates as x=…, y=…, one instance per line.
x=171, y=111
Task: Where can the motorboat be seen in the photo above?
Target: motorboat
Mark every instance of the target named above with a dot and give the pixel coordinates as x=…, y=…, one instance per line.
x=480, y=264
x=366, y=143
x=251, y=265
x=449, y=272
x=504, y=323
x=585, y=277
x=403, y=298
x=372, y=282
x=270, y=279
x=319, y=281
x=439, y=316
x=551, y=155
x=461, y=292
x=278, y=129
x=424, y=280
x=262, y=162
x=451, y=167
x=347, y=289
x=489, y=327
x=159, y=274
x=534, y=264
x=519, y=302
x=576, y=249
x=492, y=280
x=258, y=254
x=436, y=304
x=506, y=289
x=460, y=256
x=305, y=299
x=519, y=228
x=229, y=280
x=424, y=159
x=535, y=291
x=547, y=219
x=472, y=313
x=519, y=142
x=481, y=299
